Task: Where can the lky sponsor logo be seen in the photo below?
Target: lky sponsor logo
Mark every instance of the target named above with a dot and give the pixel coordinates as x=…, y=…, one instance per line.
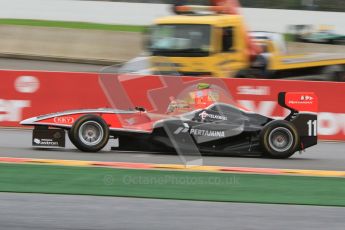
x=64, y=120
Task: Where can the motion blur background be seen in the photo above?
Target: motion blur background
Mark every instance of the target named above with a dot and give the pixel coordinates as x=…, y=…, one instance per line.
x=22, y=37
x=322, y=5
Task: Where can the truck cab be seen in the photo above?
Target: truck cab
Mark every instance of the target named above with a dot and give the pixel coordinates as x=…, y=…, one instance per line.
x=216, y=43
x=200, y=45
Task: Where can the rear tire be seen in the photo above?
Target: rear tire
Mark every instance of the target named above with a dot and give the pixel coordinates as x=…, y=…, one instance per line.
x=89, y=133
x=279, y=139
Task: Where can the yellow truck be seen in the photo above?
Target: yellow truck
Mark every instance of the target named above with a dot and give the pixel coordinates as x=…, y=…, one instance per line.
x=213, y=41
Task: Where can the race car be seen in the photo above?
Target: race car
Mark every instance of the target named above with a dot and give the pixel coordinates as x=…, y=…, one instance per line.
x=323, y=35
x=199, y=120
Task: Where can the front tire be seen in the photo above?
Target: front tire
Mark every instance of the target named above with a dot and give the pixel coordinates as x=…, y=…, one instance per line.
x=279, y=139
x=89, y=133
x=70, y=136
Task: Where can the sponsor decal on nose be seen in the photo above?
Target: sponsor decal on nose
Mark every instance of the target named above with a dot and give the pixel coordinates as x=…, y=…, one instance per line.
x=64, y=120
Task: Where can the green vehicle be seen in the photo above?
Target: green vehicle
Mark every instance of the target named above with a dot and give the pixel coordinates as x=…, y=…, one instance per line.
x=305, y=33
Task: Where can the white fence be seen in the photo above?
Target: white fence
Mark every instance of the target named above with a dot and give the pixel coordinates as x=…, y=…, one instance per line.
x=144, y=14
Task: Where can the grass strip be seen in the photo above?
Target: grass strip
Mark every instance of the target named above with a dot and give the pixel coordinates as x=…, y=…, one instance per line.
x=72, y=25
x=205, y=186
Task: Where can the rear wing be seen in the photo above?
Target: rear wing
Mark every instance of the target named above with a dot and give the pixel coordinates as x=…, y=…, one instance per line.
x=299, y=101
x=303, y=107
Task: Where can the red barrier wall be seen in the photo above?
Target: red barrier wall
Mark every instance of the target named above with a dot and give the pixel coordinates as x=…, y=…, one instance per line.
x=26, y=94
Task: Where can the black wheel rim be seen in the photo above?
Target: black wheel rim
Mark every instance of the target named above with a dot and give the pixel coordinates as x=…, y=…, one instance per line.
x=91, y=133
x=280, y=139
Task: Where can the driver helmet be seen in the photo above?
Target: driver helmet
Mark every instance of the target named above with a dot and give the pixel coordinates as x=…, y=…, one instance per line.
x=204, y=96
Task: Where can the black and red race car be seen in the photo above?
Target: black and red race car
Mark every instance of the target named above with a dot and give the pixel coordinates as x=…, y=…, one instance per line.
x=196, y=121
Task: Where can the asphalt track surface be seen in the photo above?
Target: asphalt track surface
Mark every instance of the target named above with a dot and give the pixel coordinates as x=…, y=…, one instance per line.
x=324, y=156
x=38, y=212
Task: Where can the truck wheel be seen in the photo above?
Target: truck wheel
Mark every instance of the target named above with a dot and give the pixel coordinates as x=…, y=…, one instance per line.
x=279, y=139
x=339, y=76
x=89, y=133
x=334, y=73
